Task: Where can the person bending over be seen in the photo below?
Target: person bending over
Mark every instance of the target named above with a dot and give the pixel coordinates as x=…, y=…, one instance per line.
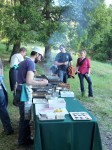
x=26, y=72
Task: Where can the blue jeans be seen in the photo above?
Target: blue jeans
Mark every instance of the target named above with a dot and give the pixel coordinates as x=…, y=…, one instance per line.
x=63, y=76
x=4, y=116
x=24, y=127
x=89, y=81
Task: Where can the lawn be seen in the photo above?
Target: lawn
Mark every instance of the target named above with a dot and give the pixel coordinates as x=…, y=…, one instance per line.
x=100, y=105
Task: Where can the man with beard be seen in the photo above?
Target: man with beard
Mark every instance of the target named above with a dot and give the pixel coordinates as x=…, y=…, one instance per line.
x=26, y=72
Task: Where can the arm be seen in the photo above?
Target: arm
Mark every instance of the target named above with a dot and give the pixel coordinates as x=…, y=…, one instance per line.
x=77, y=71
x=59, y=64
x=89, y=67
x=30, y=79
x=1, y=68
x=70, y=63
x=77, y=67
x=89, y=71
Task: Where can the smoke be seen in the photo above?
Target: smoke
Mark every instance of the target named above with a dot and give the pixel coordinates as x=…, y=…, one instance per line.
x=75, y=12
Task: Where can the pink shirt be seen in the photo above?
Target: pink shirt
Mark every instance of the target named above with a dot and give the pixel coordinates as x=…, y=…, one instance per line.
x=85, y=66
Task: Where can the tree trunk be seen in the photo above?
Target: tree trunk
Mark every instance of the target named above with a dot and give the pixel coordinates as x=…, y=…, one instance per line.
x=47, y=52
x=15, y=49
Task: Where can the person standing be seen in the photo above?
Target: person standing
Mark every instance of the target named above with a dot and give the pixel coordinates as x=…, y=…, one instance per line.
x=26, y=73
x=83, y=69
x=4, y=116
x=15, y=60
x=63, y=60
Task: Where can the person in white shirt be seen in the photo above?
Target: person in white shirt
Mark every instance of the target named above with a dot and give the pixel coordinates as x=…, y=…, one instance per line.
x=15, y=60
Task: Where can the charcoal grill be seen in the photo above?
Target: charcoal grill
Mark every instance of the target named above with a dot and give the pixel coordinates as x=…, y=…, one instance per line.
x=42, y=91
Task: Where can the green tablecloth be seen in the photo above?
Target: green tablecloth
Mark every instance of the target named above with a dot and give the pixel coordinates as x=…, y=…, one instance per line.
x=67, y=134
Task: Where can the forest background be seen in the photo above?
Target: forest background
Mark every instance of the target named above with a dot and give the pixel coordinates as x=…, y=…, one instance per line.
x=83, y=24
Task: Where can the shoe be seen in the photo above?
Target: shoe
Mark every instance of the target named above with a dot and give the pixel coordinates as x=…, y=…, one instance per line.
x=27, y=143
x=30, y=142
x=9, y=132
x=90, y=96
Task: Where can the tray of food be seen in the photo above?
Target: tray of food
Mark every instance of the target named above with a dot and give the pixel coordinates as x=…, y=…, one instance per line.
x=51, y=117
x=80, y=116
x=51, y=113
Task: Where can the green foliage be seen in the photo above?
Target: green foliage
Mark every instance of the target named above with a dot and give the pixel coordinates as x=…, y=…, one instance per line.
x=78, y=24
x=20, y=21
x=28, y=21
x=100, y=33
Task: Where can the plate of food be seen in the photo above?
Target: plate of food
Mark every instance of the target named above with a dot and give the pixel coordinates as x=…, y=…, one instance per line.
x=80, y=116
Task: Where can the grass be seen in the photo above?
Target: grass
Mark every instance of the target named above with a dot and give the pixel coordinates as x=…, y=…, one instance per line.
x=100, y=105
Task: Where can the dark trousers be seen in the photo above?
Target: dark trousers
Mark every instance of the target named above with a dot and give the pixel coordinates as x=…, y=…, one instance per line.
x=89, y=81
x=13, y=78
x=4, y=116
x=24, y=127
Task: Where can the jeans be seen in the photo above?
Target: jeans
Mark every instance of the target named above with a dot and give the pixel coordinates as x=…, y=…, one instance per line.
x=63, y=76
x=24, y=127
x=88, y=79
x=4, y=116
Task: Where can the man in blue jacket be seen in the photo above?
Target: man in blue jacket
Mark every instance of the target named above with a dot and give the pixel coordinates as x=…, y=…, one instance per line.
x=4, y=116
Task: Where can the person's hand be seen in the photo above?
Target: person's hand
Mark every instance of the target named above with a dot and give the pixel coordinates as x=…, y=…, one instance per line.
x=44, y=82
x=77, y=71
x=65, y=63
x=88, y=74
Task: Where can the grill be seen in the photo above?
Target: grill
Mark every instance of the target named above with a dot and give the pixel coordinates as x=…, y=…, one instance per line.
x=42, y=91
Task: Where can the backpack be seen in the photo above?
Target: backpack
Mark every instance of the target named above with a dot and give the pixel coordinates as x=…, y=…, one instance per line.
x=71, y=71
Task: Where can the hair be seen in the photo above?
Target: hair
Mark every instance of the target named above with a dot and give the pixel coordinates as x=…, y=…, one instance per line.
x=61, y=46
x=33, y=53
x=22, y=49
x=83, y=51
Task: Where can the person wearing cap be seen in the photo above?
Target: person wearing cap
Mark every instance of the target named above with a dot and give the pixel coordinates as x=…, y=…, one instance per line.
x=63, y=60
x=15, y=60
x=26, y=73
x=4, y=115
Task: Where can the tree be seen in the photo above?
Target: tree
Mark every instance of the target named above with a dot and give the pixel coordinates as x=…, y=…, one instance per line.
x=27, y=21
x=19, y=21
x=100, y=33
x=74, y=20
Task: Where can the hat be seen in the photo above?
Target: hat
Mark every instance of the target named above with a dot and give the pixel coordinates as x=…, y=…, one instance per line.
x=38, y=50
x=61, y=46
